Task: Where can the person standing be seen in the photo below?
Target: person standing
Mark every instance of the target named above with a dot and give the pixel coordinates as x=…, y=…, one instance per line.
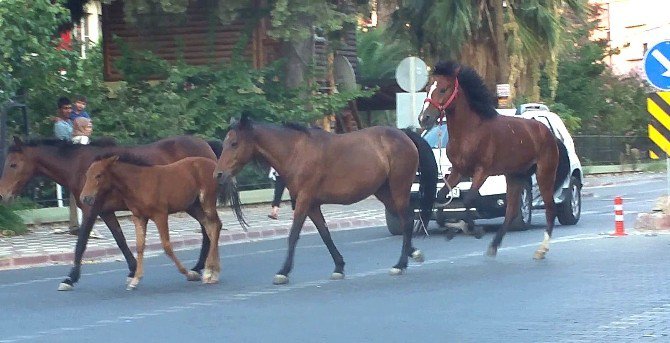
x=63, y=124
x=64, y=128
x=280, y=186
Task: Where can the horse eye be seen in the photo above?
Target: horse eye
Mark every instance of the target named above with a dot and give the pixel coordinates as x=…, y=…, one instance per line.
x=443, y=90
x=233, y=144
x=97, y=177
x=13, y=165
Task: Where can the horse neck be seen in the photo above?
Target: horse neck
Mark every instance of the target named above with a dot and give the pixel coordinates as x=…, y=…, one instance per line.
x=463, y=121
x=127, y=180
x=58, y=167
x=276, y=146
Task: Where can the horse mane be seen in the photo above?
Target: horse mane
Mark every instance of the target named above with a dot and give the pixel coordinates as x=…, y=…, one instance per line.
x=126, y=158
x=297, y=127
x=62, y=145
x=480, y=99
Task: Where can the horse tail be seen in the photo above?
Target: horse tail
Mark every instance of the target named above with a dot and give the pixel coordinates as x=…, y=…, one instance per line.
x=563, y=168
x=229, y=193
x=427, y=174
x=216, y=146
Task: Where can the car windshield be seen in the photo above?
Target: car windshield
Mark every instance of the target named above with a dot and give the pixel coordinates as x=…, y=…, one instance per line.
x=438, y=134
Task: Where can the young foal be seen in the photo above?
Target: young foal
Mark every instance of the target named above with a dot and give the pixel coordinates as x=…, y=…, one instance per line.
x=154, y=192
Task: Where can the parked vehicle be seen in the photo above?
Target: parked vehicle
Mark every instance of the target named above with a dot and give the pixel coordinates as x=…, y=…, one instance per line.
x=492, y=203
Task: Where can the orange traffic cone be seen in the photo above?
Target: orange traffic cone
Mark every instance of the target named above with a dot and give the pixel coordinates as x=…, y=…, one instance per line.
x=618, y=218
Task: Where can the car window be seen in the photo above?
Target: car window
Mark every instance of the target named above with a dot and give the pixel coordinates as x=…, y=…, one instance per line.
x=438, y=134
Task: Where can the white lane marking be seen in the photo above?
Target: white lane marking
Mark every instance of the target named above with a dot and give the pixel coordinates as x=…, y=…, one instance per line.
x=272, y=290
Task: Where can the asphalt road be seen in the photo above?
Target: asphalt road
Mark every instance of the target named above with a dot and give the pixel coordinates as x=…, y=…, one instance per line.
x=591, y=288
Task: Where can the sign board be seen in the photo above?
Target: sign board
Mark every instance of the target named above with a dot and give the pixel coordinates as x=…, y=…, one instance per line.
x=656, y=65
x=503, y=90
x=658, y=106
x=344, y=74
x=408, y=107
x=412, y=74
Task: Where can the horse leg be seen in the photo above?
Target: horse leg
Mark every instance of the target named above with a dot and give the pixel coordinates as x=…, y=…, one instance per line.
x=195, y=273
x=82, y=240
x=469, y=201
x=514, y=187
x=545, y=180
x=299, y=216
x=404, y=214
x=161, y=221
x=450, y=182
x=316, y=216
x=213, y=225
x=140, y=234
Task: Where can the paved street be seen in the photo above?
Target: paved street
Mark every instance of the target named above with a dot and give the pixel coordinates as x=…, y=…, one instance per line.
x=591, y=287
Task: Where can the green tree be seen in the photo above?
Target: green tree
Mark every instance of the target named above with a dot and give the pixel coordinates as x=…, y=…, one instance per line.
x=379, y=54
x=508, y=44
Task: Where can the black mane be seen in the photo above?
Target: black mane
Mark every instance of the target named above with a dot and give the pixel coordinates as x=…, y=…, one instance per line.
x=63, y=146
x=126, y=158
x=480, y=99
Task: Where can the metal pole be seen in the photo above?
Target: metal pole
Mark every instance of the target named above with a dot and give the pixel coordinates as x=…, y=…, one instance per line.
x=412, y=86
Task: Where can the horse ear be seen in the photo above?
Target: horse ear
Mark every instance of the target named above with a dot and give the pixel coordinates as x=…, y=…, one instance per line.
x=113, y=159
x=245, y=120
x=17, y=141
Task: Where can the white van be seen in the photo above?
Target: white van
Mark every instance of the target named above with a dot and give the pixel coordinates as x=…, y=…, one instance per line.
x=492, y=202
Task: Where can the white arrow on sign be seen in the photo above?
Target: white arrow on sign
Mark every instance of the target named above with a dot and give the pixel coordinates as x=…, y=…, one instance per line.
x=663, y=61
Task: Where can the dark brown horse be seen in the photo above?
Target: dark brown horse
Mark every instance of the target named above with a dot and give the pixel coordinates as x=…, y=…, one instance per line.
x=483, y=143
x=325, y=168
x=155, y=191
x=66, y=164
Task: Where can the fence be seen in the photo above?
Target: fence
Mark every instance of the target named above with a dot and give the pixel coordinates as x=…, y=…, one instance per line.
x=607, y=150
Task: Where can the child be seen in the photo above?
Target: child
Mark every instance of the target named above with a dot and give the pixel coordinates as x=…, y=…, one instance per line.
x=81, y=122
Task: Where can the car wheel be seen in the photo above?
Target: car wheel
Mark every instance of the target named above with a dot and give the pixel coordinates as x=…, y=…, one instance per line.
x=570, y=209
x=525, y=213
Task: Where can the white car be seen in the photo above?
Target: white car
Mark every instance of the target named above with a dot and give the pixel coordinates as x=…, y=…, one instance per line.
x=492, y=202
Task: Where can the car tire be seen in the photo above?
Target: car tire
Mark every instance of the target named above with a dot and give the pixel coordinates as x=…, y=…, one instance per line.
x=393, y=223
x=570, y=209
x=525, y=213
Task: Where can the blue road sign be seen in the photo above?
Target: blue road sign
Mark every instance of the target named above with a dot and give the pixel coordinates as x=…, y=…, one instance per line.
x=657, y=65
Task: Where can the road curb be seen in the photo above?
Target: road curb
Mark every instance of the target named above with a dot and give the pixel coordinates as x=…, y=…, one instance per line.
x=98, y=254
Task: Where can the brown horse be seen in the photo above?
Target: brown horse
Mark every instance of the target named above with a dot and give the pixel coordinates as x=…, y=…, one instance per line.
x=66, y=164
x=324, y=168
x=484, y=143
x=155, y=191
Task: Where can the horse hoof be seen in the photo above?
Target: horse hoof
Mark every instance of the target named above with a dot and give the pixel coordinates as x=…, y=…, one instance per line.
x=478, y=232
x=396, y=271
x=128, y=280
x=492, y=251
x=449, y=235
x=65, y=287
x=132, y=285
x=539, y=255
x=417, y=256
x=192, y=275
x=210, y=277
x=336, y=276
x=280, y=279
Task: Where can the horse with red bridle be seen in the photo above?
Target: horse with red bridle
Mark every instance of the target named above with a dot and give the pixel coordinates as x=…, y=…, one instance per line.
x=484, y=143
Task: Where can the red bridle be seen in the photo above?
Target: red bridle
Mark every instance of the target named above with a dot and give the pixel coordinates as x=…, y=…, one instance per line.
x=443, y=106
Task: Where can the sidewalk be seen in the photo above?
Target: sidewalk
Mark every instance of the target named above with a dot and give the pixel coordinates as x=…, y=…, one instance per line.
x=43, y=247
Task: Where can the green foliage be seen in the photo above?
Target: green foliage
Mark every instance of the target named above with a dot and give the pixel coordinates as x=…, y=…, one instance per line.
x=379, y=54
x=10, y=223
x=604, y=103
x=29, y=60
